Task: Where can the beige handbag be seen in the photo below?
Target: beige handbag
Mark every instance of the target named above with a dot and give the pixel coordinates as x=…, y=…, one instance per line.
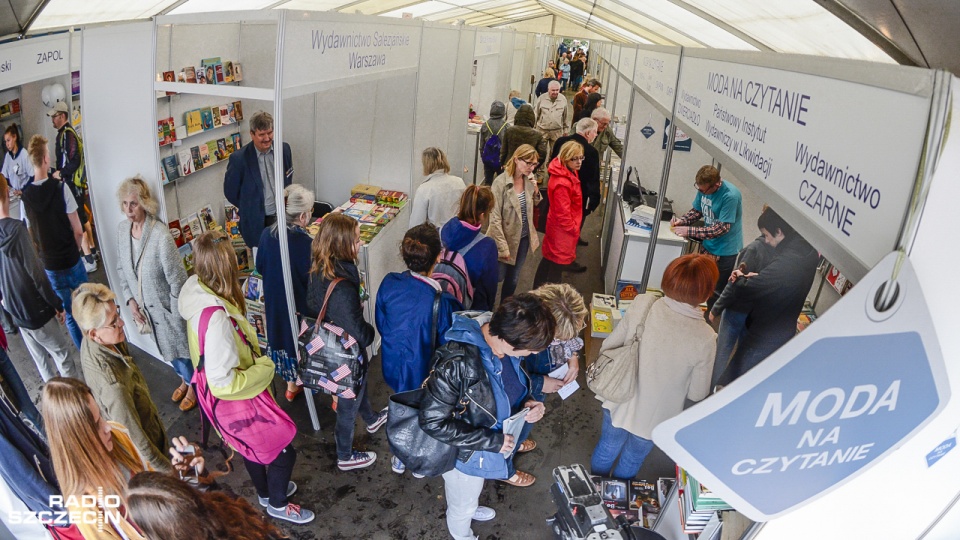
x=614, y=375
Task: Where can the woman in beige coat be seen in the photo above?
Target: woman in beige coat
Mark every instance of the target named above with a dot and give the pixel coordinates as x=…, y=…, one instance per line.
x=675, y=362
x=511, y=221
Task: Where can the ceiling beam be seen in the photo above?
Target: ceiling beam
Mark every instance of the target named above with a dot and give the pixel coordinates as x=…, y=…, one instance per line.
x=32, y=18
x=722, y=24
x=638, y=28
x=875, y=36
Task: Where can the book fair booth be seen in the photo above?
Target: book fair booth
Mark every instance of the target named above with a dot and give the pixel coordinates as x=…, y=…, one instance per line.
x=851, y=154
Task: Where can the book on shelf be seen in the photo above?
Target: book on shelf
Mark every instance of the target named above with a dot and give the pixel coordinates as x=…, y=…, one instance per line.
x=235, y=138
x=664, y=485
x=166, y=131
x=231, y=220
x=181, y=77
x=205, y=155
x=186, y=255
x=643, y=501
x=206, y=118
x=195, y=156
x=171, y=168
x=237, y=72
x=191, y=227
x=257, y=320
x=163, y=176
x=215, y=112
x=218, y=70
x=221, y=149
x=207, y=219
x=169, y=76
x=210, y=74
x=194, y=121
x=244, y=256
x=190, y=74
x=200, y=75
x=186, y=162
x=212, y=151
x=210, y=61
x=225, y=115
x=228, y=71
x=253, y=289
x=238, y=110
x=232, y=113
x=229, y=142
x=5, y=110
x=176, y=233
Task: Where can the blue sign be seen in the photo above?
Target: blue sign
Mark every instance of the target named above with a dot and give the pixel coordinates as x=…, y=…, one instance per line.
x=648, y=131
x=941, y=450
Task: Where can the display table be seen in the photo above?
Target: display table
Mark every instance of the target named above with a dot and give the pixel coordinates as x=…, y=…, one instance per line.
x=627, y=256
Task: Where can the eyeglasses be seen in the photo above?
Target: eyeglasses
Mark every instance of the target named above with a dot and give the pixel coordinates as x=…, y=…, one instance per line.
x=115, y=325
x=705, y=189
x=530, y=163
x=578, y=158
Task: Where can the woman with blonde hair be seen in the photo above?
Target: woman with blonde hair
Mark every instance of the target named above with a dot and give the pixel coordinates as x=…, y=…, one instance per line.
x=118, y=386
x=437, y=196
x=570, y=312
x=564, y=216
x=282, y=345
x=234, y=367
x=515, y=196
x=335, y=250
x=151, y=274
x=94, y=458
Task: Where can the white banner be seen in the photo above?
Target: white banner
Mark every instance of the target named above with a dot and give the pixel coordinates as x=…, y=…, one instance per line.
x=656, y=74
x=34, y=59
x=843, y=154
x=320, y=51
x=487, y=43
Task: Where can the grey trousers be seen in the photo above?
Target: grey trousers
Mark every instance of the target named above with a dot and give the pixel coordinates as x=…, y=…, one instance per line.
x=463, y=498
x=52, y=351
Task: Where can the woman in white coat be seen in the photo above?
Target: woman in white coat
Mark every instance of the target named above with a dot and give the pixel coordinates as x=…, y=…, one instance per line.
x=438, y=197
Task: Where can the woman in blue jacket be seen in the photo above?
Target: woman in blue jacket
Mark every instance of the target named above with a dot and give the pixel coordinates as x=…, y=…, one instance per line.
x=404, y=313
x=480, y=255
x=282, y=345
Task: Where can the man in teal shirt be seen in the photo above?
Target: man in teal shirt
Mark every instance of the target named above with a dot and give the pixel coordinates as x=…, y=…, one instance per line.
x=720, y=205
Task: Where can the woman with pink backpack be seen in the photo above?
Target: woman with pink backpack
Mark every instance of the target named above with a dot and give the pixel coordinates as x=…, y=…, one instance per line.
x=233, y=376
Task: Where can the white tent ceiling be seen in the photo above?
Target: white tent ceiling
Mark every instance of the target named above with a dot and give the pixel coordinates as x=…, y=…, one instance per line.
x=915, y=32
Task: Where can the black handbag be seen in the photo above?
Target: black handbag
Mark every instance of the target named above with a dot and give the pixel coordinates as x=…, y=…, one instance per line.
x=417, y=450
x=331, y=360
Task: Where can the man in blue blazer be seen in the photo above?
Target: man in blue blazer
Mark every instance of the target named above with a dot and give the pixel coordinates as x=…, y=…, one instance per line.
x=249, y=182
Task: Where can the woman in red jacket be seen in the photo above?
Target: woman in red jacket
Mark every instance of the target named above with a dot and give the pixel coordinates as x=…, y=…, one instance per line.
x=564, y=216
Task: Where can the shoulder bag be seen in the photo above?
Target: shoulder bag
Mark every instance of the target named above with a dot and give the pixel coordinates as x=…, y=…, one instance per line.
x=614, y=375
x=331, y=360
x=417, y=450
x=257, y=428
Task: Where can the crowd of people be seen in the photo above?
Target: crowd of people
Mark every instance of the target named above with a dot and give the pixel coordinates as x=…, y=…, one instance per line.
x=453, y=324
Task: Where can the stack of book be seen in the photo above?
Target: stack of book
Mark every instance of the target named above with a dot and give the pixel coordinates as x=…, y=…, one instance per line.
x=698, y=504
x=185, y=231
x=372, y=207
x=641, y=219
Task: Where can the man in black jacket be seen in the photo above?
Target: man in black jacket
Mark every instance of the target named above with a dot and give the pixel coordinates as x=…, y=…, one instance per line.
x=475, y=386
x=586, y=132
x=774, y=296
x=30, y=299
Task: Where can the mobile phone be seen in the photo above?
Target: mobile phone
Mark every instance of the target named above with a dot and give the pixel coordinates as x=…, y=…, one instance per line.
x=189, y=473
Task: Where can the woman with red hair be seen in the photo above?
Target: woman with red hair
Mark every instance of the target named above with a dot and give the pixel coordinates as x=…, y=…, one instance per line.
x=675, y=362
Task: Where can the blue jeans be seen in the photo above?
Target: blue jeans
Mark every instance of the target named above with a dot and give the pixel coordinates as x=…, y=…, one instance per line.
x=9, y=373
x=755, y=348
x=184, y=368
x=63, y=283
x=347, y=410
x=733, y=328
x=510, y=273
x=615, y=442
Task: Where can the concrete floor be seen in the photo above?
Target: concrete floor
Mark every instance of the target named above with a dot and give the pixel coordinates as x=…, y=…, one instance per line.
x=375, y=503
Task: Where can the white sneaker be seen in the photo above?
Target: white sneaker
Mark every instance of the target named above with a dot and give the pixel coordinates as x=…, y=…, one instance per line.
x=291, y=489
x=396, y=465
x=358, y=460
x=292, y=513
x=90, y=267
x=484, y=513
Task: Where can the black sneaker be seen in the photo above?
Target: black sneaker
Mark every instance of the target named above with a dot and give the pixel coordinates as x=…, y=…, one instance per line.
x=575, y=268
x=582, y=242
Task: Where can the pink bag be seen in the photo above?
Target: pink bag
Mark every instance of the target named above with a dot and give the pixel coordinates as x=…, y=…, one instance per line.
x=256, y=428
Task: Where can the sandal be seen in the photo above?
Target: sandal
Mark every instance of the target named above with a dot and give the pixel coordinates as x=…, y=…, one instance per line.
x=527, y=446
x=189, y=400
x=180, y=392
x=521, y=479
x=293, y=395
